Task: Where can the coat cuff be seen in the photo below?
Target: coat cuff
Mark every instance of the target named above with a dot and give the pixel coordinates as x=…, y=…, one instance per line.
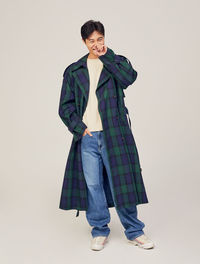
x=108, y=57
x=78, y=131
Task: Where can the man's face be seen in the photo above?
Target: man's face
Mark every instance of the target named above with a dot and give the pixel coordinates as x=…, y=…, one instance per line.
x=93, y=40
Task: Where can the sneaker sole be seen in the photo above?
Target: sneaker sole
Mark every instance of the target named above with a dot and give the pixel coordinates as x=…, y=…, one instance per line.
x=147, y=246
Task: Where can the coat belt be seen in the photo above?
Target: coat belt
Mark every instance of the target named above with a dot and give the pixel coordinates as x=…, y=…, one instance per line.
x=128, y=117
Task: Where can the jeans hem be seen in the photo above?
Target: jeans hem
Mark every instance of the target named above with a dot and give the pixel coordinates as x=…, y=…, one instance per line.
x=135, y=236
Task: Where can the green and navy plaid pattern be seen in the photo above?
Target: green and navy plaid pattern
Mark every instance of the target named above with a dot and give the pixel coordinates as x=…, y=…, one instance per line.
x=117, y=74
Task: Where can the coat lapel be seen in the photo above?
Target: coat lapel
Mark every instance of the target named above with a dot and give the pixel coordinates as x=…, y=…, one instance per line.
x=81, y=74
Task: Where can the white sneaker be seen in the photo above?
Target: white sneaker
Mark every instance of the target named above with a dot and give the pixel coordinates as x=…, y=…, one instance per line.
x=98, y=242
x=142, y=241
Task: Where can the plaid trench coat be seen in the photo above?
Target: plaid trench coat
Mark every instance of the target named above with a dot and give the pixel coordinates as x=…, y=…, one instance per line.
x=117, y=74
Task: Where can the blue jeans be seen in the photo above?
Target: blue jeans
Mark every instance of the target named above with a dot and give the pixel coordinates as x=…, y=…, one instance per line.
x=94, y=155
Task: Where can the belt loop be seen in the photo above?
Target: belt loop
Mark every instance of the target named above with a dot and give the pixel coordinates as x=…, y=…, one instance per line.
x=128, y=117
x=77, y=214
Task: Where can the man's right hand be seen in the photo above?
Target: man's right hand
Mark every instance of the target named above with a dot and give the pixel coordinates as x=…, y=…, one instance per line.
x=87, y=132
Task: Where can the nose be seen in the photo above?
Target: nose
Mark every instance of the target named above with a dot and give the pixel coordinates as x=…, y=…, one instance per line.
x=96, y=46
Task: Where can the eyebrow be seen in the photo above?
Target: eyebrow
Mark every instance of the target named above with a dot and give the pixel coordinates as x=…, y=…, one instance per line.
x=93, y=39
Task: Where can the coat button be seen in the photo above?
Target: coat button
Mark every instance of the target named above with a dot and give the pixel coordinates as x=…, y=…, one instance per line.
x=114, y=96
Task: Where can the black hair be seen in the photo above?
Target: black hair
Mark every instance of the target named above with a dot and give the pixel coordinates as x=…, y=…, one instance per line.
x=90, y=26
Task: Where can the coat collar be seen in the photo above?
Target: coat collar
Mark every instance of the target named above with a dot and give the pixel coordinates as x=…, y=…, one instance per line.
x=82, y=62
x=81, y=74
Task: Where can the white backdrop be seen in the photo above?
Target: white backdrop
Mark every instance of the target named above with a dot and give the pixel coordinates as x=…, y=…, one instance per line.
x=39, y=39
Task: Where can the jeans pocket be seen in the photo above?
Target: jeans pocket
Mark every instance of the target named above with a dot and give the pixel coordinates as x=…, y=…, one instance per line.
x=85, y=135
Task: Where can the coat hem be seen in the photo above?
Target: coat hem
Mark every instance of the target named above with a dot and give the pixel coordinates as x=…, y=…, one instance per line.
x=111, y=206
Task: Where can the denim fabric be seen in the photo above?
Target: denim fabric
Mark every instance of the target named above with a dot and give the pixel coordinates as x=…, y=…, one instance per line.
x=94, y=155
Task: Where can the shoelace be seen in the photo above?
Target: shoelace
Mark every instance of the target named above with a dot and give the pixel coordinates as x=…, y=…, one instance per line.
x=143, y=238
x=99, y=239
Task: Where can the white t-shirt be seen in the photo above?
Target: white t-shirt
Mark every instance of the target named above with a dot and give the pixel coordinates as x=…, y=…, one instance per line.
x=91, y=116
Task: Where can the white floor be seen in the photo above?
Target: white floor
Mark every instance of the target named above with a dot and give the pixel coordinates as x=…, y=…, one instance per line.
x=40, y=235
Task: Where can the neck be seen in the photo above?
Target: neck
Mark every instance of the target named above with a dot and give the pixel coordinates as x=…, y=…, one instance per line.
x=92, y=56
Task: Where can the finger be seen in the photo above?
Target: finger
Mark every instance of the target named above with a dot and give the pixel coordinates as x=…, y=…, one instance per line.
x=99, y=47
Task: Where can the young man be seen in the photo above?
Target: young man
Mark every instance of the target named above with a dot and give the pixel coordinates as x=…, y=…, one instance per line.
x=103, y=168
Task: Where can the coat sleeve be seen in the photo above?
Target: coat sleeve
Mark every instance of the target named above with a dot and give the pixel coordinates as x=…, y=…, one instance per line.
x=67, y=108
x=120, y=67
